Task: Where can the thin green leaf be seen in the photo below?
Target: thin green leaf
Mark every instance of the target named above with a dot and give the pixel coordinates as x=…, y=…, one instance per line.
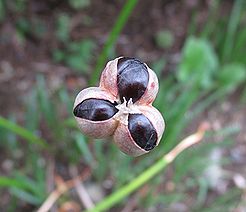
x=231, y=76
x=11, y=182
x=70, y=122
x=114, y=34
x=131, y=186
x=148, y=174
x=232, y=28
x=22, y=132
x=28, y=197
x=83, y=148
x=46, y=106
x=199, y=63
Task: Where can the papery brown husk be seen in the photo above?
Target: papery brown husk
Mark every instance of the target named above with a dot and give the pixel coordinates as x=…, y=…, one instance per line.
x=124, y=140
x=95, y=129
x=108, y=81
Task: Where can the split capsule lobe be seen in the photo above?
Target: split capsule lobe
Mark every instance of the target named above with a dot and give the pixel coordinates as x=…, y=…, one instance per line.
x=142, y=131
x=109, y=110
x=95, y=109
x=132, y=78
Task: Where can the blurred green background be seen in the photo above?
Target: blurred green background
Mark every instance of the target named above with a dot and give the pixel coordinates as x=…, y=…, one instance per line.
x=50, y=50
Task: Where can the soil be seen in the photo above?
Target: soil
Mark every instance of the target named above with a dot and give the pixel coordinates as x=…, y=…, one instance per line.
x=22, y=60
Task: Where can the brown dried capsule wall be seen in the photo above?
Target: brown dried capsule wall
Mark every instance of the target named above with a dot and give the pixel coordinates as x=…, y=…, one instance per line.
x=121, y=107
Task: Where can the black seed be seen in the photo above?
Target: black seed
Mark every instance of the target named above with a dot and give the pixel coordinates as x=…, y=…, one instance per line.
x=132, y=78
x=95, y=109
x=142, y=131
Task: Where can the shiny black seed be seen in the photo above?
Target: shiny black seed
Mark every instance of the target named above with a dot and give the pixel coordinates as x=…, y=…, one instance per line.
x=142, y=131
x=132, y=78
x=95, y=109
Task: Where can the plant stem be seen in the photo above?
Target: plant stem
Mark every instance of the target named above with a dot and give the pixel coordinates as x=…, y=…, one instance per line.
x=150, y=172
x=114, y=34
x=132, y=186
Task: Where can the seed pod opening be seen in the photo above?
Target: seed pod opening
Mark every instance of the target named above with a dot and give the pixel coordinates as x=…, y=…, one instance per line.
x=132, y=78
x=142, y=131
x=95, y=109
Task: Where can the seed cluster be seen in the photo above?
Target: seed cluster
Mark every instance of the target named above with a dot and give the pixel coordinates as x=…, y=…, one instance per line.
x=121, y=107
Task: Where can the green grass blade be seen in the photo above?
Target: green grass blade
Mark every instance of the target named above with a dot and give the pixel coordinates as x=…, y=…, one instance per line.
x=224, y=202
x=212, y=19
x=71, y=123
x=46, y=106
x=32, y=115
x=82, y=145
x=11, y=182
x=205, y=103
x=26, y=196
x=118, y=26
x=22, y=132
x=132, y=186
x=232, y=28
x=151, y=172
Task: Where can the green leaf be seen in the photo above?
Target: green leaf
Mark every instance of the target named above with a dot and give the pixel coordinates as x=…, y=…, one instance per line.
x=58, y=55
x=31, y=185
x=26, y=196
x=24, y=188
x=231, y=75
x=22, y=132
x=79, y=55
x=66, y=99
x=32, y=115
x=63, y=27
x=225, y=202
x=79, y=4
x=46, y=106
x=114, y=34
x=164, y=39
x=83, y=148
x=76, y=62
x=233, y=24
x=2, y=10
x=158, y=66
x=199, y=63
x=23, y=26
x=12, y=182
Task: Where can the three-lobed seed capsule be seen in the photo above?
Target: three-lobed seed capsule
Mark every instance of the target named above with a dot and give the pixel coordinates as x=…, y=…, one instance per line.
x=122, y=107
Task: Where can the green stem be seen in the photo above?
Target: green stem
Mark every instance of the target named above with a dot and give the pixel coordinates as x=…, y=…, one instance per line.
x=156, y=168
x=132, y=186
x=117, y=28
x=22, y=132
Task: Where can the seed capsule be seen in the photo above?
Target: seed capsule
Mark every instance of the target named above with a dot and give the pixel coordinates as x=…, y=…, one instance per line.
x=122, y=107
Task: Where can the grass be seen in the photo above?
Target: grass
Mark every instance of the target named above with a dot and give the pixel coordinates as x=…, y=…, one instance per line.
x=114, y=34
x=51, y=133
x=148, y=174
x=22, y=132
